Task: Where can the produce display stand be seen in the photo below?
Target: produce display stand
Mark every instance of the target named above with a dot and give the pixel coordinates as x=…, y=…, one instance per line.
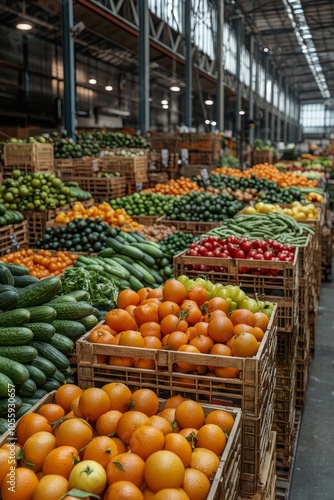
x=13, y=237
x=134, y=168
x=37, y=222
x=72, y=168
x=102, y=188
x=189, y=226
x=252, y=390
x=266, y=156
x=146, y=220
x=27, y=157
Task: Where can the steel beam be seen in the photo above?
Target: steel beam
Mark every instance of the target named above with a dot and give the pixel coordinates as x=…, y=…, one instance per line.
x=278, y=128
x=251, y=91
x=68, y=66
x=272, y=121
x=237, y=76
x=257, y=86
x=25, y=52
x=189, y=65
x=286, y=116
x=266, y=106
x=220, y=111
x=144, y=67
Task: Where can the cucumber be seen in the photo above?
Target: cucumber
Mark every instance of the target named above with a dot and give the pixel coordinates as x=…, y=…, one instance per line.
x=32, y=401
x=49, y=352
x=135, y=283
x=27, y=389
x=51, y=385
x=3, y=425
x=17, y=372
x=70, y=380
x=20, y=353
x=41, y=331
x=60, y=377
x=23, y=410
x=23, y=281
x=62, y=298
x=36, y=375
x=15, y=317
x=79, y=295
x=152, y=250
x=137, y=236
x=15, y=402
x=127, y=236
x=106, y=252
x=125, y=249
x=68, y=372
x=6, y=384
x=148, y=277
x=8, y=299
x=40, y=393
x=72, y=310
x=158, y=278
x=39, y=293
x=45, y=365
x=16, y=269
x=148, y=260
x=89, y=261
x=6, y=277
x=69, y=328
x=62, y=343
x=44, y=314
x=16, y=335
x=129, y=267
x=89, y=322
x=117, y=270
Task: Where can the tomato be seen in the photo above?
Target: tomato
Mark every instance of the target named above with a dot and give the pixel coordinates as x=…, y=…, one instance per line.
x=239, y=254
x=246, y=246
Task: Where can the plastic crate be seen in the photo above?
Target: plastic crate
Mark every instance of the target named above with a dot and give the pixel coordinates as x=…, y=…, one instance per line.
x=13, y=237
x=29, y=157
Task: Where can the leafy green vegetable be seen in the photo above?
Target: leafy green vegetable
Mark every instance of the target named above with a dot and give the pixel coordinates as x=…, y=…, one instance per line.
x=101, y=290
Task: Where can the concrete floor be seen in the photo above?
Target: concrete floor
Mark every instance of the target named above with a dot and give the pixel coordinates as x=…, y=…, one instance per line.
x=313, y=477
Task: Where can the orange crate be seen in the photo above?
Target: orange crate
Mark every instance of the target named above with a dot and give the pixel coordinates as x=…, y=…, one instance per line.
x=13, y=237
x=30, y=157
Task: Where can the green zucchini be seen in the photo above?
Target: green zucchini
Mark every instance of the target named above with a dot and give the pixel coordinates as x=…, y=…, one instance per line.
x=23, y=281
x=89, y=322
x=16, y=269
x=14, y=370
x=16, y=335
x=23, y=410
x=125, y=249
x=15, y=317
x=27, y=389
x=45, y=314
x=5, y=403
x=3, y=425
x=72, y=310
x=51, y=384
x=8, y=299
x=41, y=331
x=49, y=352
x=36, y=375
x=69, y=328
x=62, y=343
x=45, y=365
x=39, y=293
x=6, y=384
x=6, y=277
x=21, y=353
x=40, y=393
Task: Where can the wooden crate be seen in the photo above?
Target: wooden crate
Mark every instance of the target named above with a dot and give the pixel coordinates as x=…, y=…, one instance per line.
x=285, y=407
x=189, y=226
x=312, y=325
x=135, y=168
x=102, y=188
x=146, y=220
x=260, y=157
x=282, y=288
x=267, y=480
x=29, y=157
x=37, y=222
x=13, y=237
x=306, y=254
x=302, y=377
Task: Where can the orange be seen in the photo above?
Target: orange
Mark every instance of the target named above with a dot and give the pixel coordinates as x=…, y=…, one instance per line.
x=143, y=292
x=186, y=366
x=61, y=461
x=93, y=403
x=243, y=316
x=174, y=290
x=30, y=423
x=190, y=414
x=198, y=294
x=52, y=412
x=196, y=484
x=123, y=490
x=145, y=312
x=146, y=440
x=126, y=467
x=127, y=298
x=241, y=327
x=24, y=481
x=226, y=372
x=74, y=432
x=176, y=339
x=205, y=460
x=88, y=475
x=169, y=323
x=171, y=494
x=6, y=461
x=120, y=445
x=106, y=423
x=51, y=487
x=129, y=422
x=245, y=345
x=221, y=350
x=148, y=494
x=161, y=423
x=102, y=449
x=75, y=407
x=145, y=400
x=37, y=447
x=193, y=312
x=190, y=434
x=216, y=303
x=120, y=320
x=163, y=469
x=201, y=328
x=150, y=328
x=212, y=437
x=261, y=320
x=220, y=329
x=168, y=307
x=258, y=333
x=65, y=395
x=169, y=415
x=214, y=314
x=119, y=395
x=203, y=343
x=230, y=342
x=179, y=445
x=222, y=418
x=174, y=401
x=120, y=361
x=152, y=342
x=156, y=293
x=146, y=363
x=131, y=338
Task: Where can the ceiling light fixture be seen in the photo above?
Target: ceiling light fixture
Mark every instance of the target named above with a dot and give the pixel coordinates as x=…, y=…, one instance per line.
x=207, y=122
x=165, y=106
x=164, y=101
x=92, y=81
x=242, y=112
x=265, y=49
x=24, y=26
x=108, y=88
x=175, y=88
x=213, y=124
x=208, y=102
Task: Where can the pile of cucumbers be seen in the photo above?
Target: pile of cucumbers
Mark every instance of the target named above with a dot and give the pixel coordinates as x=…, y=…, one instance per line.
x=130, y=261
x=37, y=328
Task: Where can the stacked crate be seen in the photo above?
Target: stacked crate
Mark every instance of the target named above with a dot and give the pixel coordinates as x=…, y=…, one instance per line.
x=13, y=237
x=27, y=157
x=133, y=168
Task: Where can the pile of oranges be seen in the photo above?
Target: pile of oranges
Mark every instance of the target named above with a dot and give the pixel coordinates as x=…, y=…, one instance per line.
x=41, y=263
x=116, y=444
x=173, y=318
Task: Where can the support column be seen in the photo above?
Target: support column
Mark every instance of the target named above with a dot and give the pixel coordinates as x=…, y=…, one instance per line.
x=257, y=85
x=220, y=111
x=238, y=83
x=189, y=66
x=272, y=122
x=144, y=67
x=266, y=106
x=68, y=66
x=278, y=130
x=25, y=51
x=286, y=117
x=251, y=90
